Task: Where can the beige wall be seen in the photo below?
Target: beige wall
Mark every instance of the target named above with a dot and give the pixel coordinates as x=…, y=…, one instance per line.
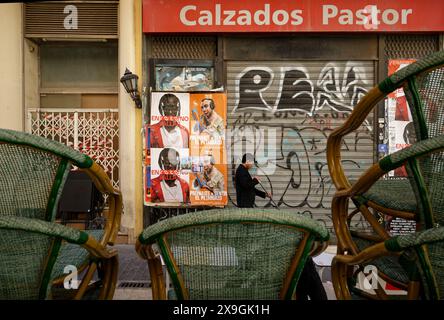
x=127, y=117
x=19, y=56
x=31, y=68
x=11, y=67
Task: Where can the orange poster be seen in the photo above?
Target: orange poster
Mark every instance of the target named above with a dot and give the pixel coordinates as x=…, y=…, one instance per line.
x=208, y=180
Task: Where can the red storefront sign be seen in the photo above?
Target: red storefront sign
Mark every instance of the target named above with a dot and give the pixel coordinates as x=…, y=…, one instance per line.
x=175, y=16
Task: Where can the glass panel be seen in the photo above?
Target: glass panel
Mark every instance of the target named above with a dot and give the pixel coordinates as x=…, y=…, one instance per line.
x=108, y=101
x=60, y=101
x=79, y=66
x=180, y=78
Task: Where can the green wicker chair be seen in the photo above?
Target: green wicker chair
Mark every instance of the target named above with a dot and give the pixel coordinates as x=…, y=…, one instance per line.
x=418, y=198
x=231, y=253
x=34, y=250
x=426, y=246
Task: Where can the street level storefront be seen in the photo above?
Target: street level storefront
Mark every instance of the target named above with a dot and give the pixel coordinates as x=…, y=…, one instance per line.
x=292, y=72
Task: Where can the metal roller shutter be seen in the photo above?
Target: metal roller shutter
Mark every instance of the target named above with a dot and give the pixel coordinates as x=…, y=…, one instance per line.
x=283, y=112
x=95, y=19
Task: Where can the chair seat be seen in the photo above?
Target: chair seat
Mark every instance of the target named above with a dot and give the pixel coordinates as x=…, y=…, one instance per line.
x=389, y=265
x=393, y=194
x=73, y=254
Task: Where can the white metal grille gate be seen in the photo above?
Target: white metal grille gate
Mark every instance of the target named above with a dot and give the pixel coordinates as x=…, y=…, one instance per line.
x=94, y=132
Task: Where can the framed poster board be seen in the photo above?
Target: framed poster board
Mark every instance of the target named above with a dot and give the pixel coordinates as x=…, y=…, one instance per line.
x=185, y=160
x=182, y=75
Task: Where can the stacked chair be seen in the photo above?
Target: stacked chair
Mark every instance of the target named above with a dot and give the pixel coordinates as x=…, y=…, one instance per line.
x=412, y=262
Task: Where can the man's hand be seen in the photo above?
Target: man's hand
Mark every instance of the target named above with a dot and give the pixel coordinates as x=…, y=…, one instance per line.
x=257, y=178
x=268, y=195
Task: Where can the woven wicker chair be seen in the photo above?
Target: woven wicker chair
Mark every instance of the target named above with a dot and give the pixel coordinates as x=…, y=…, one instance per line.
x=34, y=250
x=418, y=198
x=231, y=253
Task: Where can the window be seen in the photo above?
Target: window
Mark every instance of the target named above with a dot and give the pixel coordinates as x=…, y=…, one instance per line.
x=80, y=75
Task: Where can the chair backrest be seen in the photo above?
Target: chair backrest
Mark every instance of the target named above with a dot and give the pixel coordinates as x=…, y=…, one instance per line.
x=432, y=262
x=33, y=171
x=425, y=95
x=235, y=253
x=423, y=84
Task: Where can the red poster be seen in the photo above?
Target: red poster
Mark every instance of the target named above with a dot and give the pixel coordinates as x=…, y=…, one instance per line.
x=401, y=131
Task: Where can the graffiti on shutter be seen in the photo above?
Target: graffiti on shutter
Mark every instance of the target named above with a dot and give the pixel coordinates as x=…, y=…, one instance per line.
x=283, y=113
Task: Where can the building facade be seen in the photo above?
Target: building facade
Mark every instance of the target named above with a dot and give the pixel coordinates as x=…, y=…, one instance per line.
x=61, y=66
x=292, y=74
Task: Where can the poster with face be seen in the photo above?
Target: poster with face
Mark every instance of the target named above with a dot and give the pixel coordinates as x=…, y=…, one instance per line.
x=400, y=125
x=208, y=119
x=169, y=179
x=208, y=182
x=184, y=150
x=169, y=120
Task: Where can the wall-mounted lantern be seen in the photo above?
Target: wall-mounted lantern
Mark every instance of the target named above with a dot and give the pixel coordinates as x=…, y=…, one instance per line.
x=129, y=81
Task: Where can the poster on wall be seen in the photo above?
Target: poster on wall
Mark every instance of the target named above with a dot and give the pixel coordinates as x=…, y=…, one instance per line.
x=169, y=183
x=207, y=143
x=401, y=135
x=184, y=148
x=182, y=78
x=169, y=122
x=400, y=125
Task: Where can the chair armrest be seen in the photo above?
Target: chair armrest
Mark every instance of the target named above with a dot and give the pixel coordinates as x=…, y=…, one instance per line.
x=396, y=80
x=415, y=239
x=59, y=231
x=391, y=162
x=334, y=141
x=318, y=248
x=417, y=149
x=365, y=256
x=393, y=246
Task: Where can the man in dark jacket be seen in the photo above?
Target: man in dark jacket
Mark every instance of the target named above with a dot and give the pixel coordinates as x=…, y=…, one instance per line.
x=245, y=184
x=310, y=284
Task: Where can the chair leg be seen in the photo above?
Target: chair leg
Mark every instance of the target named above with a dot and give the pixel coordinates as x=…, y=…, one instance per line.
x=413, y=290
x=340, y=270
x=113, y=278
x=339, y=277
x=110, y=272
x=85, y=281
